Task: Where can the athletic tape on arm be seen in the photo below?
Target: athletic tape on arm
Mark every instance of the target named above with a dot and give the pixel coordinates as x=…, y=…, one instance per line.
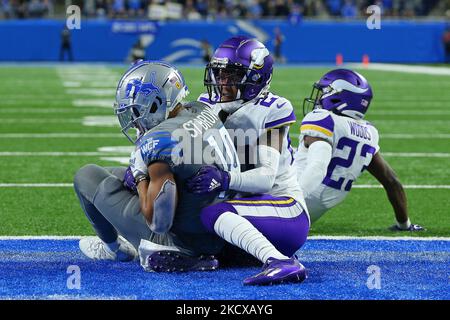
x=164, y=207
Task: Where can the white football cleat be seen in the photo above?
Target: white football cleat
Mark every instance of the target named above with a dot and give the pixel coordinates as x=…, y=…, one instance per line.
x=148, y=248
x=160, y=258
x=95, y=249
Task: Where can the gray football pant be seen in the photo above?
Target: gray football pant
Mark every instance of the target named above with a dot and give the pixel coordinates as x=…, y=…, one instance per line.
x=111, y=208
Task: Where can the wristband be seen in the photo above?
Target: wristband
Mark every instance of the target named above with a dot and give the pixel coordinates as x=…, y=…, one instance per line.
x=141, y=178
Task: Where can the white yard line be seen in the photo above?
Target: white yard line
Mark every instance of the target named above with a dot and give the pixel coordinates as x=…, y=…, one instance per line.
x=438, y=71
x=406, y=186
x=117, y=149
x=415, y=136
x=72, y=84
x=101, y=103
x=47, y=110
x=411, y=123
x=101, y=121
x=36, y=185
x=318, y=237
x=416, y=154
x=122, y=160
x=89, y=76
x=57, y=154
x=59, y=135
x=40, y=121
x=90, y=84
x=108, y=120
x=95, y=92
x=409, y=113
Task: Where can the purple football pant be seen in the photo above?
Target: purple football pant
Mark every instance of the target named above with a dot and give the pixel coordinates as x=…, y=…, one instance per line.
x=282, y=220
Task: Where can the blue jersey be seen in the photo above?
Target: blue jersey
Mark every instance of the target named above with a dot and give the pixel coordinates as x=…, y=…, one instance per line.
x=194, y=138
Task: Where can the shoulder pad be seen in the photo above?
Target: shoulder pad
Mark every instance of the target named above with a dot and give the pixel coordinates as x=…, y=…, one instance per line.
x=280, y=113
x=157, y=146
x=318, y=123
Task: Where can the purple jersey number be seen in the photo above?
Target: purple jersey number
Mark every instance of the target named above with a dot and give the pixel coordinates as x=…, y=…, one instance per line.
x=364, y=151
x=264, y=103
x=345, y=163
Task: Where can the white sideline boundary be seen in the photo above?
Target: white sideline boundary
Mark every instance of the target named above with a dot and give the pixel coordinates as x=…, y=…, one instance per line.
x=318, y=237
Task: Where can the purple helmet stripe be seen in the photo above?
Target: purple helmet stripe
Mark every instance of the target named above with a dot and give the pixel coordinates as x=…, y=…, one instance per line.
x=348, y=93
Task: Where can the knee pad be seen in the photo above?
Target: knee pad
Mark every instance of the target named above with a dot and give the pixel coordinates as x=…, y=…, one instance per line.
x=209, y=215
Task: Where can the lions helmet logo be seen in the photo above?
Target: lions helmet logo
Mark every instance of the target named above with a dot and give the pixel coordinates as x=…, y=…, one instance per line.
x=135, y=86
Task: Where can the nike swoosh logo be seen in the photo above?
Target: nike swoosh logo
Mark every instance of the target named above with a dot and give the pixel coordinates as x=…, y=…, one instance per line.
x=281, y=105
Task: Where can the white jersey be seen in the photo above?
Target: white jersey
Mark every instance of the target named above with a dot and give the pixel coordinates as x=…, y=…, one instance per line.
x=260, y=114
x=354, y=142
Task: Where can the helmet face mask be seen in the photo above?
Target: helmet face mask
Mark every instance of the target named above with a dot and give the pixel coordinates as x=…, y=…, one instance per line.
x=313, y=102
x=145, y=96
x=227, y=82
x=135, y=119
x=241, y=69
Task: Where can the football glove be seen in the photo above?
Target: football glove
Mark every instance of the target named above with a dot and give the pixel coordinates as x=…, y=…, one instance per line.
x=209, y=179
x=128, y=181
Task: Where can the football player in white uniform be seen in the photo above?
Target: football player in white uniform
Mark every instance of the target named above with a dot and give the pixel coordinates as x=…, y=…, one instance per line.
x=336, y=145
x=273, y=220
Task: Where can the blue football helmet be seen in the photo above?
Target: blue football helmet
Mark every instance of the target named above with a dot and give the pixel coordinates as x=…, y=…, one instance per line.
x=145, y=96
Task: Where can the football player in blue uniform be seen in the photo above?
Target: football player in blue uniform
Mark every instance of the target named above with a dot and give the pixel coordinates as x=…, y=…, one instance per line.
x=147, y=207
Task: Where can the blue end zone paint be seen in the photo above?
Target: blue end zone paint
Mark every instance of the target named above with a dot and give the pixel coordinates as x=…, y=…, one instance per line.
x=31, y=269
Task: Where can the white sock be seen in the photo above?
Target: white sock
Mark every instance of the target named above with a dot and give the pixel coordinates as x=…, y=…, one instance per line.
x=404, y=225
x=241, y=233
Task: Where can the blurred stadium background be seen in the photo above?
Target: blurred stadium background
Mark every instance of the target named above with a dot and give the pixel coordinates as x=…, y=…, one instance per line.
x=56, y=97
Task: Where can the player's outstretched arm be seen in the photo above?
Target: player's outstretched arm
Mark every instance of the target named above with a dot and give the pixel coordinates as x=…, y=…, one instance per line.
x=381, y=170
x=158, y=197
